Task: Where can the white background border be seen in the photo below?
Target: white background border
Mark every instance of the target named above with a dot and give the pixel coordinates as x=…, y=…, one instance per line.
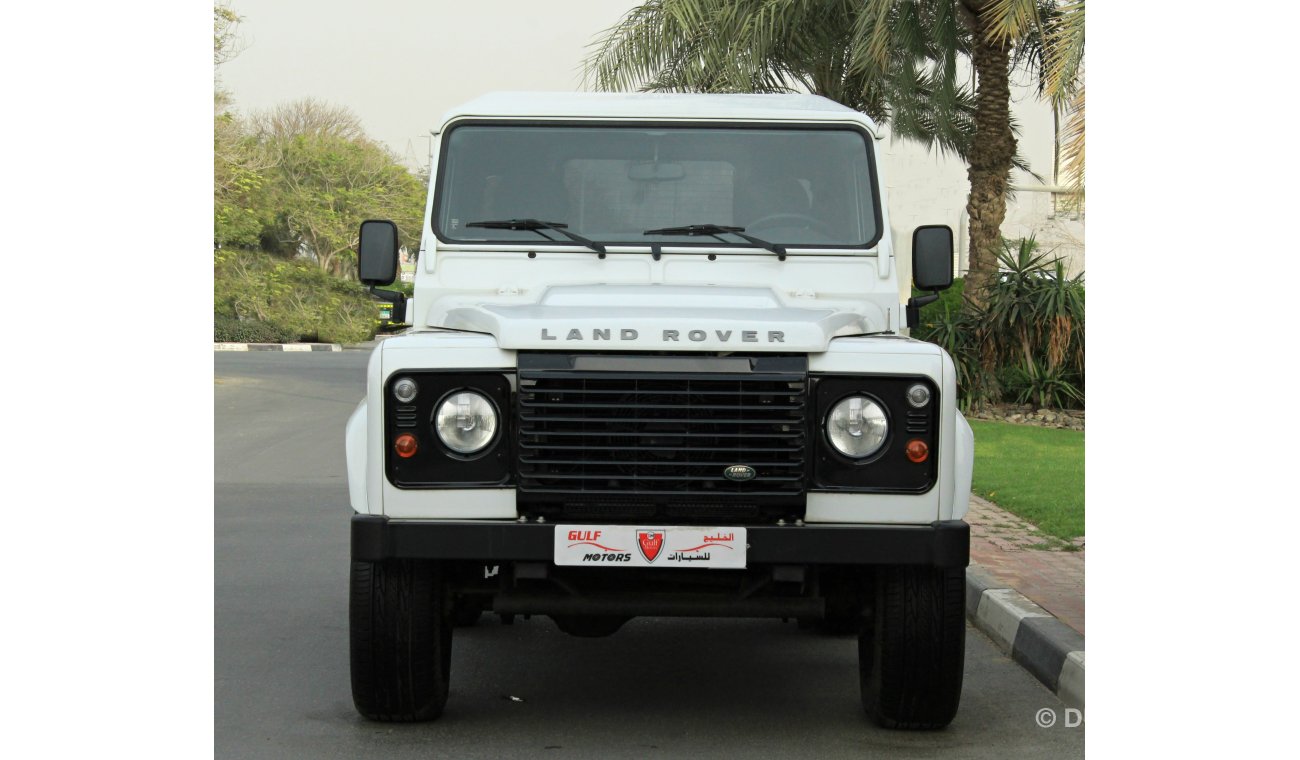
x=108, y=432
x=1192, y=266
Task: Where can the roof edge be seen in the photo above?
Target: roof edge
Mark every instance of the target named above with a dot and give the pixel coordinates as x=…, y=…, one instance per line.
x=657, y=106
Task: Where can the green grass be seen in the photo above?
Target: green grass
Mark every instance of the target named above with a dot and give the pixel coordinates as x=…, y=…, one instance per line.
x=1035, y=473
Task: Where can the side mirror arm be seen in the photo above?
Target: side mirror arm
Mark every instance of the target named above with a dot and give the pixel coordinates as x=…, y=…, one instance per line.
x=914, y=305
x=398, y=298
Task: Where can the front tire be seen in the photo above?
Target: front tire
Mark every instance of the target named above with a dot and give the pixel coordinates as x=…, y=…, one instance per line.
x=400, y=630
x=911, y=657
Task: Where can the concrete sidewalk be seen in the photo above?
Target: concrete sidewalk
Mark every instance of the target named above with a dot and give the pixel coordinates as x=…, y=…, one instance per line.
x=1014, y=553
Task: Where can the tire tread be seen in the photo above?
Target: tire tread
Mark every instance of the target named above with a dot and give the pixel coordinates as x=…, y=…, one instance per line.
x=400, y=641
x=912, y=657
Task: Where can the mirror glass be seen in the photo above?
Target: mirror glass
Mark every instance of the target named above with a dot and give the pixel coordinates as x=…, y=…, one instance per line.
x=932, y=257
x=377, y=252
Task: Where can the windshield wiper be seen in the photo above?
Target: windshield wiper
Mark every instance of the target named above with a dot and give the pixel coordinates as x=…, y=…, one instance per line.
x=717, y=230
x=537, y=225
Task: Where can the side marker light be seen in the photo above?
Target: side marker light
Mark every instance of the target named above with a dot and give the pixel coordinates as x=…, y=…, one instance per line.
x=405, y=445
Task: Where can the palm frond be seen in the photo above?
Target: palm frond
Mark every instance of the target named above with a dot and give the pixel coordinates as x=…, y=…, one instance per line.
x=1072, y=151
x=1010, y=20
x=1063, y=47
x=1054, y=49
x=886, y=58
x=895, y=60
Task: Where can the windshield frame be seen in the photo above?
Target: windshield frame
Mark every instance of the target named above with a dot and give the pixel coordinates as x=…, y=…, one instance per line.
x=686, y=242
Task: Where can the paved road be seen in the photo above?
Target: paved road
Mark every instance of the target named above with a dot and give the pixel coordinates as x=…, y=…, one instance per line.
x=660, y=687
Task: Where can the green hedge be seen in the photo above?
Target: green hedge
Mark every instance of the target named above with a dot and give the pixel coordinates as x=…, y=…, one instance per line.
x=291, y=299
x=233, y=330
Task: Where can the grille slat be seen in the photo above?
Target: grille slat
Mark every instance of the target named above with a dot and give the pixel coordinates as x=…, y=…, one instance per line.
x=642, y=463
x=751, y=449
x=579, y=495
x=614, y=479
x=703, y=407
x=648, y=392
x=617, y=420
x=588, y=436
x=655, y=433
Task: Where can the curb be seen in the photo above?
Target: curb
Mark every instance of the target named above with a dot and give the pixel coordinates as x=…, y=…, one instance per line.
x=276, y=347
x=1049, y=649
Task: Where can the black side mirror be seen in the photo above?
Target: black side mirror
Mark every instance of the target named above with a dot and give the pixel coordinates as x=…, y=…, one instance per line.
x=932, y=257
x=931, y=266
x=377, y=263
x=377, y=252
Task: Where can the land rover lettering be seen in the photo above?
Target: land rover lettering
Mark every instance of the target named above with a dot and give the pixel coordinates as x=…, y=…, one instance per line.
x=694, y=335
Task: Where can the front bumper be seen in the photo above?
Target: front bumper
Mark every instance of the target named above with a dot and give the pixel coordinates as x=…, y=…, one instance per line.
x=944, y=543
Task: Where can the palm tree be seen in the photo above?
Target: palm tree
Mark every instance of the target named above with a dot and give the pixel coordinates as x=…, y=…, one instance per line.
x=995, y=27
x=895, y=60
x=1054, y=33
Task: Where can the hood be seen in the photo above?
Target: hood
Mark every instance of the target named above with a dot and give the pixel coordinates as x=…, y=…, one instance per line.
x=663, y=317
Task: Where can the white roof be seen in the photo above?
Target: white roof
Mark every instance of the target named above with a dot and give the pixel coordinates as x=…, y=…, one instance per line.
x=655, y=105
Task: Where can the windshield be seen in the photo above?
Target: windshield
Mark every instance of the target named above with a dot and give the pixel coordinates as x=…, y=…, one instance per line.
x=792, y=186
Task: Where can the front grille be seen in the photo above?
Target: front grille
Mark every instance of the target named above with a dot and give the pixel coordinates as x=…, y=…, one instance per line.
x=663, y=438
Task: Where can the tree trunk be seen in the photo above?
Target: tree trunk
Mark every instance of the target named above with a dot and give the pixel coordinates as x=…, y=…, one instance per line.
x=990, y=154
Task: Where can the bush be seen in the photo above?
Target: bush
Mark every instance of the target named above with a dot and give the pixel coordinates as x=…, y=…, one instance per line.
x=234, y=330
x=292, y=297
x=1026, y=344
x=1034, y=382
x=956, y=329
x=950, y=302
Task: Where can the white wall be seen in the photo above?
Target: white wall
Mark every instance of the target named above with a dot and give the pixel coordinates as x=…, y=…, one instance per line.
x=927, y=188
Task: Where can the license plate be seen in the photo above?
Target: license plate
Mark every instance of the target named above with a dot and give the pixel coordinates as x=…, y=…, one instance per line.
x=650, y=546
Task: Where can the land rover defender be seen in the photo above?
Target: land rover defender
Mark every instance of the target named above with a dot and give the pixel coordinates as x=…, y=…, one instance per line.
x=658, y=366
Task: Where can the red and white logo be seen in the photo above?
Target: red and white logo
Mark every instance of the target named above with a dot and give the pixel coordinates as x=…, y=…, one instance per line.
x=650, y=542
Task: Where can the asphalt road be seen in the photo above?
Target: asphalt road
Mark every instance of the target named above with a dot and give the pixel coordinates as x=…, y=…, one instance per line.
x=659, y=687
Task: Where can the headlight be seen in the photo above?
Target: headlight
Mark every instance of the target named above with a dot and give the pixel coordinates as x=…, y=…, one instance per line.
x=466, y=422
x=918, y=396
x=857, y=427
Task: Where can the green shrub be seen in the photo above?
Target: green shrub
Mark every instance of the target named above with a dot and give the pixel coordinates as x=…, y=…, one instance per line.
x=294, y=296
x=950, y=302
x=1036, y=383
x=234, y=330
x=1026, y=344
x=956, y=330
